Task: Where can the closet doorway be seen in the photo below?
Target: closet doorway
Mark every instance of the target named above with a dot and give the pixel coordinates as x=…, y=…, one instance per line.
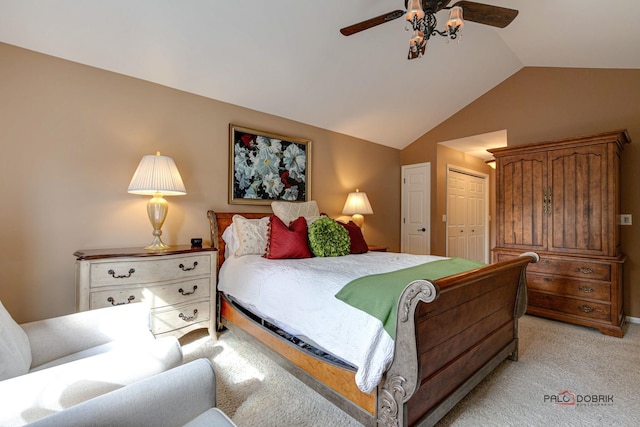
x=467, y=214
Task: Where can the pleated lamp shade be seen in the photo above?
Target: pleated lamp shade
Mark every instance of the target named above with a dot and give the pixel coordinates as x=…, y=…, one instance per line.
x=157, y=176
x=356, y=205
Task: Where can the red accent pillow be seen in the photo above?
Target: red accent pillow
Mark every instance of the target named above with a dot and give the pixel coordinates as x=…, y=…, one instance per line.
x=358, y=244
x=287, y=242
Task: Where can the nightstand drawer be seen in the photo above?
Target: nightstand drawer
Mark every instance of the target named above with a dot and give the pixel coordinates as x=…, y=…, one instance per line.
x=165, y=320
x=154, y=296
x=129, y=271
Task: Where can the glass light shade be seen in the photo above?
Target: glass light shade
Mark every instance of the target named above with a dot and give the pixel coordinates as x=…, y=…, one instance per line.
x=417, y=38
x=455, y=22
x=414, y=9
x=157, y=176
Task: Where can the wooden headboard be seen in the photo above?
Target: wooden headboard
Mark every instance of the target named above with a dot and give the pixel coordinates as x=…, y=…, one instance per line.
x=219, y=221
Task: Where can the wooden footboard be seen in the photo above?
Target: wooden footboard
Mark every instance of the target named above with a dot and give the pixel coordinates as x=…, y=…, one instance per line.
x=450, y=334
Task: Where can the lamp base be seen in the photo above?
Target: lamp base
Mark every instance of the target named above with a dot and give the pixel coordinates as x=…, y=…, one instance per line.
x=157, y=209
x=157, y=245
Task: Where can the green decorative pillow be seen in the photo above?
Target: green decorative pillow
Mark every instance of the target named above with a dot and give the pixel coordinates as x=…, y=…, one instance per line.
x=328, y=238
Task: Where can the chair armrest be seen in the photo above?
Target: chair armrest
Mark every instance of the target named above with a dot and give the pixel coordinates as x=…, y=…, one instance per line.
x=51, y=339
x=173, y=397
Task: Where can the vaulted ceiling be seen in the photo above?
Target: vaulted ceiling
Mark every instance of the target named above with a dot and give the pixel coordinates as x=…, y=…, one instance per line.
x=288, y=58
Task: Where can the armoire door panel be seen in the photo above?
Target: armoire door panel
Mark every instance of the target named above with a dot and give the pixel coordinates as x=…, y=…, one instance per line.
x=520, y=210
x=578, y=222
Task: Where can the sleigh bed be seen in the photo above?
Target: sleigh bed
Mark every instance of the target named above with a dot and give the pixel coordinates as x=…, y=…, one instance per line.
x=450, y=333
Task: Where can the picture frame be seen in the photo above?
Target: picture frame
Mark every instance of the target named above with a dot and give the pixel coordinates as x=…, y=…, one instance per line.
x=265, y=166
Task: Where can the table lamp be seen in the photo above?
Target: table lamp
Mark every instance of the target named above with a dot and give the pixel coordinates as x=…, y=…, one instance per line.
x=357, y=204
x=157, y=176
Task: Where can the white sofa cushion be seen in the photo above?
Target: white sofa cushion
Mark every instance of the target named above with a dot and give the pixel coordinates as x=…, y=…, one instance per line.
x=91, y=351
x=15, y=351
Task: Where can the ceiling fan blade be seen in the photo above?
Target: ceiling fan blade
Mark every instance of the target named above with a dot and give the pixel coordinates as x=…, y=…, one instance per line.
x=495, y=16
x=364, y=25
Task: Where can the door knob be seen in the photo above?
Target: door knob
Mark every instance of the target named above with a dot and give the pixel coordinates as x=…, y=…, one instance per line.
x=422, y=229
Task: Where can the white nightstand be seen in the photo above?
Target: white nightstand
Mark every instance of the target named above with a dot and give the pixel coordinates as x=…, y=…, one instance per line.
x=178, y=284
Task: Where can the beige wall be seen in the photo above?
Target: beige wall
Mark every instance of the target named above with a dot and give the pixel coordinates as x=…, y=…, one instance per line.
x=540, y=104
x=71, y=138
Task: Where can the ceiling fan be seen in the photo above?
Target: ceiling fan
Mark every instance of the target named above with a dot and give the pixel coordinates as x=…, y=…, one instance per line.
x=421, y=16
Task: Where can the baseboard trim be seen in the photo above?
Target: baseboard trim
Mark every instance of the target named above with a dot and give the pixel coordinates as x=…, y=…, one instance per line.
x=633, y=319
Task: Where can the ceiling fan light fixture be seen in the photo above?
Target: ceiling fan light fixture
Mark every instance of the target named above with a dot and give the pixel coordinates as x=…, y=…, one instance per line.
x=421, y=15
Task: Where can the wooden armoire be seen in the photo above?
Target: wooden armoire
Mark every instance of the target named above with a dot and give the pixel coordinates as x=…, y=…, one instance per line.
x=561, y=199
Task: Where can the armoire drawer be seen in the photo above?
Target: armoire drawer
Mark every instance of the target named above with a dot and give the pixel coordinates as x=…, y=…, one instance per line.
x=567, y=305
x=129, y=271
x=154, y=296
x=582, y=269
x=566, y=286
x=169, y=319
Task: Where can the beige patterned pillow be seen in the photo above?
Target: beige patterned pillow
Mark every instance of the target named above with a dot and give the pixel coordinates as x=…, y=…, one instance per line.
x=251, y=235
x=289, y=211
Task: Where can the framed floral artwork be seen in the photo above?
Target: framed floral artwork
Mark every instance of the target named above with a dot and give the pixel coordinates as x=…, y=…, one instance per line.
x=264, y=167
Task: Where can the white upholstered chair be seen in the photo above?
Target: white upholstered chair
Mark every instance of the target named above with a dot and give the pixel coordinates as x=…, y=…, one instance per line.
x=53, y=364
x=182, y=396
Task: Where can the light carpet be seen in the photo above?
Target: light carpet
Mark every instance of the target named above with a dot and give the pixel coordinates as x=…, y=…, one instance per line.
x=603, y=373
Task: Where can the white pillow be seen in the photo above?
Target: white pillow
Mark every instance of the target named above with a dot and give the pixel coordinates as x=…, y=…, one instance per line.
x=290, y=211
x=230, y=241
x=251, y=235
x=15, y=350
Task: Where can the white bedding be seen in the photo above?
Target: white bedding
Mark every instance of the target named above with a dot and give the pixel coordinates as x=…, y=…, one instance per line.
x=298, y=296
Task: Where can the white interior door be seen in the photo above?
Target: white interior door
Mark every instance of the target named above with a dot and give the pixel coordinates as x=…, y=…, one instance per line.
x=416, y=205
x=467, y=215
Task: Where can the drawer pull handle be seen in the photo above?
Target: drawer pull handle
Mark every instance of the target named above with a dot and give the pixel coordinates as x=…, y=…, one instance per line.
x=585, y=308
x=195, y=264
x=189, y=318
x=113, y=274
x=585, y=289
x=113, y=301
x=188, y=293
x=548, y=279
x=585, y=270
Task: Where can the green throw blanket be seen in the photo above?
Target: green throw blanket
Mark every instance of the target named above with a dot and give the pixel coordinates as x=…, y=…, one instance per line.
x=378, y=294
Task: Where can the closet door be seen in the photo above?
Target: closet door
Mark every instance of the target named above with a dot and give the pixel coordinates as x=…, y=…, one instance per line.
x=522, y=207
x=467, y=216
x=579, y=214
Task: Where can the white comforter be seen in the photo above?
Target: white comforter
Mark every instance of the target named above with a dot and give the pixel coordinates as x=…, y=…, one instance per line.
x=298, y=296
